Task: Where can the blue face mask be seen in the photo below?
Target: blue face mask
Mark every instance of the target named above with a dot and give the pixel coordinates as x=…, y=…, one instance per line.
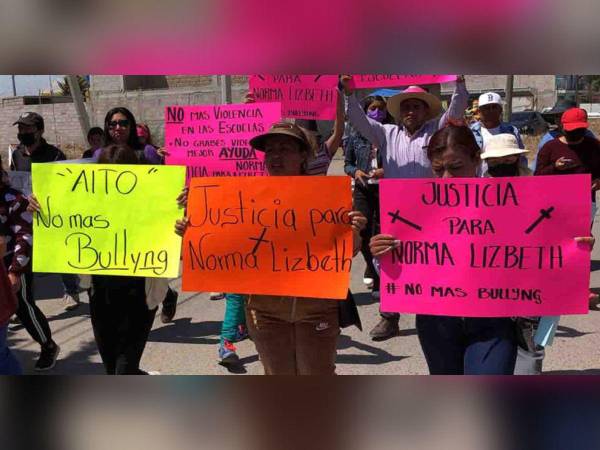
x=377, y=114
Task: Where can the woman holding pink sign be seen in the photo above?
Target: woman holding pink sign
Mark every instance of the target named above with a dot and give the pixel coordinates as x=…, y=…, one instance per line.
x=461, y=345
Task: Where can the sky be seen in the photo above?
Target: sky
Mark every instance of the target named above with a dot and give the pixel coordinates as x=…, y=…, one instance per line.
x=27, y=84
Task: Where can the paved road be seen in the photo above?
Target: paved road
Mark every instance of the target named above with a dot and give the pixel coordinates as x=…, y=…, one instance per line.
x=189, y=344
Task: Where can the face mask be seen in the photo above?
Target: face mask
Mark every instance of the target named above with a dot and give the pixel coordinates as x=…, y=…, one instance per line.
x=575, y=135
x=27, y=139
x=504, y=170
x=377, y=114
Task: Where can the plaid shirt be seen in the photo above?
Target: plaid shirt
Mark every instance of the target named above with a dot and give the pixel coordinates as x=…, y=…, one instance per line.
x=16, y=228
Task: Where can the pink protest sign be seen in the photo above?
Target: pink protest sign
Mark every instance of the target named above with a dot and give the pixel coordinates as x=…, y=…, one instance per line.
x=486, y=247
x=301, y=96
x=388, y=80
x=213, y=140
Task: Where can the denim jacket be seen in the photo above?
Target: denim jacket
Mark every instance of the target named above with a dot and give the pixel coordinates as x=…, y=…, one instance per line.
x=357, y=150
x=505, y=128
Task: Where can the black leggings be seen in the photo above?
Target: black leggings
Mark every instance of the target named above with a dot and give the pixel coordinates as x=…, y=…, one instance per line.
x=121, y=322
x=32, y=318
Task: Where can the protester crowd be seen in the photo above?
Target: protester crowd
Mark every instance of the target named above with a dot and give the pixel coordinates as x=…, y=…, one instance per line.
x=405, y=136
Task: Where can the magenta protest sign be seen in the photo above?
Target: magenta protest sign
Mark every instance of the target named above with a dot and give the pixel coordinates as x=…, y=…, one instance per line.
x=301, y=96
x=388, y=80
x=486, y=247
x=213, y=140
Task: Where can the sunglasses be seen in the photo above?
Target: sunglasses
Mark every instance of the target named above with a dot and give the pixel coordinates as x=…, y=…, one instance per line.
x=122, y=123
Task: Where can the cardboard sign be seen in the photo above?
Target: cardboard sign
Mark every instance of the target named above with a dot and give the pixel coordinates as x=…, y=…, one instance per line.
x=20, y=181
x=269, y=235
x=107, y=219
x=495, y=247
x=213, y=140
x=388, y=80
x=301, y=96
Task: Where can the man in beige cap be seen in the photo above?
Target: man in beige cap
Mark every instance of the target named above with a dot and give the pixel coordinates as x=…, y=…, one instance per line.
x=502, y=154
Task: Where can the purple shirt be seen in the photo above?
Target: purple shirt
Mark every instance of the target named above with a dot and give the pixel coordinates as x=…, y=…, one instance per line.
x=405, y=156
x=150, y=155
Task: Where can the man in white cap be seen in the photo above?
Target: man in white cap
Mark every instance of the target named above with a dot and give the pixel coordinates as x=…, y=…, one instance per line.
x=403, y=146
x=490, y=120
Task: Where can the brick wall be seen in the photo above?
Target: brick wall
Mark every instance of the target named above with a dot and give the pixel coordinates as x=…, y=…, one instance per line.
x=61, y=123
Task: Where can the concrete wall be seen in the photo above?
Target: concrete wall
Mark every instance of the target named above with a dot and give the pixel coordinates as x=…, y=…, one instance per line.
x=62, y=126
x=543, y=88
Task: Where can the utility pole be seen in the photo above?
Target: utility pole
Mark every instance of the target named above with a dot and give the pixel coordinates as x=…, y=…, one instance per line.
x=14, y=86
x=510, y=80
x=577, y=90
x=84, y=120
x=225, y=88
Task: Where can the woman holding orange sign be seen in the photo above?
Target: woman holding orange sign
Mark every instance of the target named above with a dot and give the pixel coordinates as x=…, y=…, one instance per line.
x=293, y=336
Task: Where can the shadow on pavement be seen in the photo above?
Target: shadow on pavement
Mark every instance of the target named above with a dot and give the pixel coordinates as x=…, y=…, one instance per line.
x=76, y=363
x=184, y=331
x=240, y=367
x=567, y=332
x=376, y=355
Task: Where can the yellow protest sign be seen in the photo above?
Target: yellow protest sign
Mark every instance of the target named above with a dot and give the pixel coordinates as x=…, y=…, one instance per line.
x=107, y=219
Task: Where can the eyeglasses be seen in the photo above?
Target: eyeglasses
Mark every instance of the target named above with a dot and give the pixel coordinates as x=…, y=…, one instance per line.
x=122, y=123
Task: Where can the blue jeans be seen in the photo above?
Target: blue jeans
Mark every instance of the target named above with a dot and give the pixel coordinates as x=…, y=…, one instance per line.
x=468, y=346
x=8, y=363
x=70, y=283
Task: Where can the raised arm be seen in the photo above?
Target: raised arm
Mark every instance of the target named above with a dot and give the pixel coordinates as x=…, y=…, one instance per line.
x=458, y=103
x=335, y=140
x=372, y=130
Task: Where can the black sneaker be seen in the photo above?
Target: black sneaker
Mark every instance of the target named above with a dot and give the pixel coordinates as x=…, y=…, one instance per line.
x=169, y=307
x=47, y=359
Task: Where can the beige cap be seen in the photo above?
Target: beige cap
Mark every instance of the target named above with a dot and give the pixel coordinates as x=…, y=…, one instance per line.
x=501, y=145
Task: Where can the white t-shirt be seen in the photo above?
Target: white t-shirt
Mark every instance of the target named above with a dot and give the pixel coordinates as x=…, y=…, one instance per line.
x=486, y=133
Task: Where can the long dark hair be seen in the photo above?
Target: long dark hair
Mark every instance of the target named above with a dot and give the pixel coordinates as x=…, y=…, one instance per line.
x=453, y=135
x=118, y=154
x=366, y=102
x=132, y=140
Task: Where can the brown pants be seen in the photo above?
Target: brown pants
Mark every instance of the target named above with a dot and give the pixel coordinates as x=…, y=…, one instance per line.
x=294, y=336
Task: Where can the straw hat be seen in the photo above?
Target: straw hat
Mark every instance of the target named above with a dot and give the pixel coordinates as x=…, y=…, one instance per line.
x=285, y=129
x=435, y=105
x=501, y=145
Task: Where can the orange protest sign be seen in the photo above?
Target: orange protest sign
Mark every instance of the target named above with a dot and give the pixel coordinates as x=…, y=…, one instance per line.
x=286, y=236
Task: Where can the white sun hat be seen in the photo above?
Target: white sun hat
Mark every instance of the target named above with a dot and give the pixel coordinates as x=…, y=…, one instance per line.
x=501, y=145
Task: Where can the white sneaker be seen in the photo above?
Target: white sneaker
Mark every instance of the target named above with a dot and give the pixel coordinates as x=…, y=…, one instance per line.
x=71, y=302
x=153, y=372
x=217, y=296
x=368, y=281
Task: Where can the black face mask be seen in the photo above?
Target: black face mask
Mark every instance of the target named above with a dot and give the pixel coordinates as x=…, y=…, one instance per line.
x=575, y=135
x=504, y=170
x=27, y=139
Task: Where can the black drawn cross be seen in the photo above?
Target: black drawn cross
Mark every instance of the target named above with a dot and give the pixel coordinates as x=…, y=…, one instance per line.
x=259, y=240
x=396, y=217
x=544, y=214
